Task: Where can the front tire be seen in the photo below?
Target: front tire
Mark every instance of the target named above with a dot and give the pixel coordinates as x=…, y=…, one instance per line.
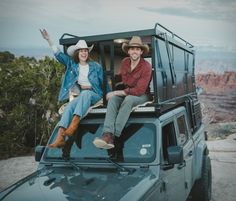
x=203, y=187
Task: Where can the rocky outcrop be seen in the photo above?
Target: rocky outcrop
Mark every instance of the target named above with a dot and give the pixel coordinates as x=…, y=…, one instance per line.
x=212, y=82
x=219, y=95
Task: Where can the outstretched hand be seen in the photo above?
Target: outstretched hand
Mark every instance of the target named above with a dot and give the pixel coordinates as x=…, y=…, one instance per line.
x=110, y=94
x=45, y=34
x=115, y=93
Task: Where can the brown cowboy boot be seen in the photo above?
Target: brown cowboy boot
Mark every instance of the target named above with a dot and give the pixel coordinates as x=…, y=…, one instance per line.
x=60, y=139
x=73, y=126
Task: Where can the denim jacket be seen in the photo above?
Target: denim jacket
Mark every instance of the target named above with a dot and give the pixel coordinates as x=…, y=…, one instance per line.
x=95, y=75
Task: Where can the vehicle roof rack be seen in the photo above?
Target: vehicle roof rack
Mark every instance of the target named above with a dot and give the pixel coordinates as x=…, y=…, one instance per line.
x=172, y=59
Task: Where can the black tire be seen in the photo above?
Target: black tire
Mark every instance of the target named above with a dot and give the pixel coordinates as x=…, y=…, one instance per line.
x=203, y=187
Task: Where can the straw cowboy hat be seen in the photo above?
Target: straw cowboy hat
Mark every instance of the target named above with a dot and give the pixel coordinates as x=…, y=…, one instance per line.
x=135, y=42
x=81, y=44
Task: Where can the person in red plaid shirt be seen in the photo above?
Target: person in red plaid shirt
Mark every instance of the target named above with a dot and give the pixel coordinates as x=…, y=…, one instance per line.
x=136, y=75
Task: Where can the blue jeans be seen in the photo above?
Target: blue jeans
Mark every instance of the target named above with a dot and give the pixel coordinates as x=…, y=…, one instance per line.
x=118, y=112
x=78, y=106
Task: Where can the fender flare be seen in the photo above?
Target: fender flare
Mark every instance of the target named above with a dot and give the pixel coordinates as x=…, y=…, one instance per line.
x=201, y=151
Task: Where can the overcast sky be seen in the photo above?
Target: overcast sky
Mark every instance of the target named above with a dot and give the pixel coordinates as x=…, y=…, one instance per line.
x=207, y=24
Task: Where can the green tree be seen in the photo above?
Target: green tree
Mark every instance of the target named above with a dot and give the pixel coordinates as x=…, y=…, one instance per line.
x=6, y=57
x=28, y=91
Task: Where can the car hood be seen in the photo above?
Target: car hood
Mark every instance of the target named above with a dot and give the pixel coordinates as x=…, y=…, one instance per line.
x=63, y=184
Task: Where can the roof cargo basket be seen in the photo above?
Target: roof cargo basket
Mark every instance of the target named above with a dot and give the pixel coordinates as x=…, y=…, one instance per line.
x=172, y=59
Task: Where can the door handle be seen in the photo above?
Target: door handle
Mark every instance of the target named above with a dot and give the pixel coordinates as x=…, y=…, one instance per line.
x=190, y=153
x=181, y=165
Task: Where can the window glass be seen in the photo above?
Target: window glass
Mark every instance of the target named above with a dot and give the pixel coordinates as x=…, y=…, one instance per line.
x=136, y=144
x=168, y=138
x=183, y=133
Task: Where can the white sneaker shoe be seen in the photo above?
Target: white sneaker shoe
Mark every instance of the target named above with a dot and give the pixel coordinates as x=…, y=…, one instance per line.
x=102, y=144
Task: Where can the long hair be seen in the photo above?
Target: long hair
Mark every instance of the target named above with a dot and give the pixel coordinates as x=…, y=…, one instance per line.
x=76, y=58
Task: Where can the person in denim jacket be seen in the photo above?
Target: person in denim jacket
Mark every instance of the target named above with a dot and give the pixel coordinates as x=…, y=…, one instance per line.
x=83, y=78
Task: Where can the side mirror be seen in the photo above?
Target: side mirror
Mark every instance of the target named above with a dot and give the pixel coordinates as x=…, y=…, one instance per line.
x=39, y=152
x=175, y=154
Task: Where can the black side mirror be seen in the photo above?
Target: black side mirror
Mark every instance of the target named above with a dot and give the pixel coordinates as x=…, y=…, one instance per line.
x=39, y=152
x=175, y=154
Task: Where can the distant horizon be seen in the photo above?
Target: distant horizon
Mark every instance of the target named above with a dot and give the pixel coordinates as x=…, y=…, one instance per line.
x=206, y=61
x=31, y=51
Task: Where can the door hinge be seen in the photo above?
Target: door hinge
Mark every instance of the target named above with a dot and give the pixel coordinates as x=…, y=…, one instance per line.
x=186, y=185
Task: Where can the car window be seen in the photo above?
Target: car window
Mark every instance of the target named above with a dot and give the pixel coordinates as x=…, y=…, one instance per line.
x=136, y=144
x=139, y=142
x=168, y=138
x=183, y=133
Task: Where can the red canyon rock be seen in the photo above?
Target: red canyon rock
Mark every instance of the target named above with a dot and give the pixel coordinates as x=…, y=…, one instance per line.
x=219, y=96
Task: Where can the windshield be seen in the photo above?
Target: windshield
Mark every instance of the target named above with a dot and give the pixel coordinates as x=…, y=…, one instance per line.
x=136, y=144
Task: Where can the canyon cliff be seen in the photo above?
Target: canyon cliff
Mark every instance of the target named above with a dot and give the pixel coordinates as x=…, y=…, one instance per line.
x=219, y=96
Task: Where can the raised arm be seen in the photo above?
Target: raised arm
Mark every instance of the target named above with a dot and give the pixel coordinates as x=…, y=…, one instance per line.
x=60, y=56
x=46, y=36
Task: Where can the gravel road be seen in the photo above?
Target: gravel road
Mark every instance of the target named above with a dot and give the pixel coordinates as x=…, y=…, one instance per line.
x=222, y=154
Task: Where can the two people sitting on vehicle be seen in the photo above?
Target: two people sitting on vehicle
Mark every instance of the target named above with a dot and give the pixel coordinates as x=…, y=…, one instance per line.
x=136, y=74
x=84, y=78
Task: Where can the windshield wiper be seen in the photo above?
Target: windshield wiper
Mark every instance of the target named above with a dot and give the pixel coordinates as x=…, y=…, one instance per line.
x=122, y=169
x=67, y=160
x=73, y=164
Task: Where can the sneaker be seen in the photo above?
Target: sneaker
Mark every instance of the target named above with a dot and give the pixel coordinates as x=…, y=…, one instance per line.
x=104, y=142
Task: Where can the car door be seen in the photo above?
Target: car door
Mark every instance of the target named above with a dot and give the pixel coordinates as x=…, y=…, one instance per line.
x=184, y=139
x=173, y=175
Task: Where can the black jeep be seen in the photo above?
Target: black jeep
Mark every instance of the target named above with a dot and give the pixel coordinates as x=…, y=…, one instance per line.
x=161, y=154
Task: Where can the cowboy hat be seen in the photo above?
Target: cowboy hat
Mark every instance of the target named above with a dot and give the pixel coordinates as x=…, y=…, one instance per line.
x=135, y=42
x=81, y=44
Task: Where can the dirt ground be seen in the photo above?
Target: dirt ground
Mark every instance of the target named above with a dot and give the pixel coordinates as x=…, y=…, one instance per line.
x=222, y=153
x=14, y=169
x=224, y=177
x=223, y=161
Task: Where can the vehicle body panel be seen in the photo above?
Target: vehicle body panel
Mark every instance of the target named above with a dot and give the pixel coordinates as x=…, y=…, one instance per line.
x=67, y=183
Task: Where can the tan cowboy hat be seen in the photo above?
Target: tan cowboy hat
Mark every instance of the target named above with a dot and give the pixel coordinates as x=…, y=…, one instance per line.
x=81, y=44
x=135, y=42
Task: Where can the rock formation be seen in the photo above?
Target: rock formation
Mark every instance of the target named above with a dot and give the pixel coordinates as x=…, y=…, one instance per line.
x=219, y=95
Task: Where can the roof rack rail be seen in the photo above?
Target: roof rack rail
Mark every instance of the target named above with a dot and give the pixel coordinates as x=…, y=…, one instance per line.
x=66, y=34
x=172, y=34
